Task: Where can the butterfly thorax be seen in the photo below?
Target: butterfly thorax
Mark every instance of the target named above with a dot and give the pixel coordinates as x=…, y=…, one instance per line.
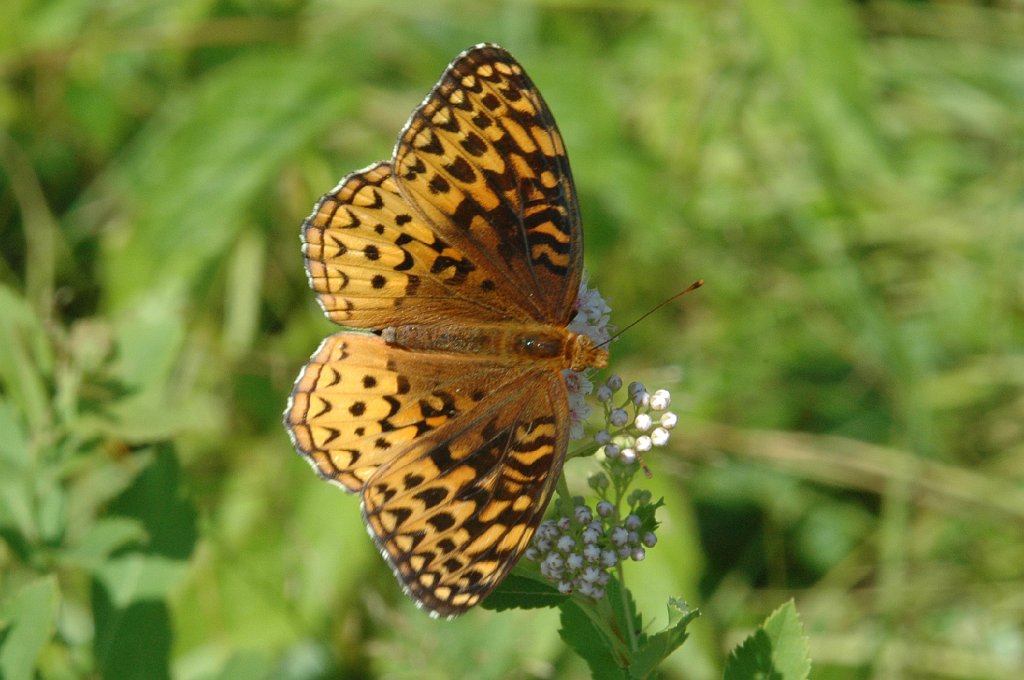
x=542, y=344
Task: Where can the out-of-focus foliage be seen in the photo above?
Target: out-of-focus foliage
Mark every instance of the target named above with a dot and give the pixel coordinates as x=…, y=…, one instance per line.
x=846, y=176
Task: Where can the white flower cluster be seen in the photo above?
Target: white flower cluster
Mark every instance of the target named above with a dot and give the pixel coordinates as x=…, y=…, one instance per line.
x=577, y=550
x=592, y=319
x=624, y=439
x=593, y=315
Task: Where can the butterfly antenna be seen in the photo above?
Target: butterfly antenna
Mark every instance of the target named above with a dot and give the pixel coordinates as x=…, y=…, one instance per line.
x=692, y=287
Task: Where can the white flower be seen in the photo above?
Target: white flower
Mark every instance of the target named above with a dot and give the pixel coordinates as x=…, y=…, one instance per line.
x=660, y=400
x=643, y=422
x=659, y=437
x=593, y=314
x=619, y=535
x=643, y=443
x=669, y=420
x=579, y=410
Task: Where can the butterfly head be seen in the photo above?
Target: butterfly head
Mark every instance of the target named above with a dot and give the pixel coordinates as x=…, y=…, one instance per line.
x=581, y=353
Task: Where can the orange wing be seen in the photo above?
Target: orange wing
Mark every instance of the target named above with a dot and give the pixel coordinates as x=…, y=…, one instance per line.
x=455, y=458
x=483, y=160
x=374, y=262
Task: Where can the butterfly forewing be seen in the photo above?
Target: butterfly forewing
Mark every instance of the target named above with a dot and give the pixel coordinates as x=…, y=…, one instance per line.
x=483, y=160
x=470, y=231
x=374, y=261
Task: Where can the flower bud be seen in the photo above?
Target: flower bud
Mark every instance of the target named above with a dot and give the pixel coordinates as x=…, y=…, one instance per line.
x=660, y=400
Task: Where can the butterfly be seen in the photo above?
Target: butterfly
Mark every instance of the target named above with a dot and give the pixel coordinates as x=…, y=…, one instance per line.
x=457, y=265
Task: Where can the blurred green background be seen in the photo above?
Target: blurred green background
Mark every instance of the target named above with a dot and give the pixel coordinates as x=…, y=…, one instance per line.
x=846, y=176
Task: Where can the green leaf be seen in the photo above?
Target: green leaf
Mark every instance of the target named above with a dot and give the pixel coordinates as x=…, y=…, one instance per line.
x=523, y=590
x=136, y=577
x=27, y=620
x=624, y=609
x=26, y=360
x=103, y=538
x=13, y=442
x=17, y=514
x=585, y=637
x=657, y=647
x=777, y=650
x=155, y=498
x=132, y=641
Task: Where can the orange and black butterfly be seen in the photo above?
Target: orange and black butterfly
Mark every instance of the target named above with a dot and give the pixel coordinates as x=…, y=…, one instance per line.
x=463, y=255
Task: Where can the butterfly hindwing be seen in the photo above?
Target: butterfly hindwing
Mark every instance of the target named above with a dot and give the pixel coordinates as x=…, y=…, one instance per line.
x=455, y=459
x=455, y=511
x=359, y=403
